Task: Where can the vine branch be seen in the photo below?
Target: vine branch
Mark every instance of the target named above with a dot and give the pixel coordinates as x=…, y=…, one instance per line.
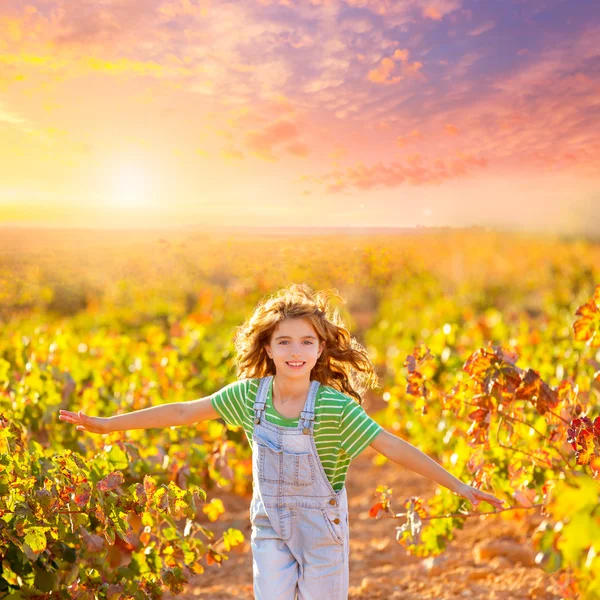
x=462, y=515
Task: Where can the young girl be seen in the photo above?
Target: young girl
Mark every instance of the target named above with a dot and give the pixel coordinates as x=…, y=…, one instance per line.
x=300, y=376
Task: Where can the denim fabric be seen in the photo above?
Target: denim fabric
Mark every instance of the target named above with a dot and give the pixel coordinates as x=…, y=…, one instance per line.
x=300, y=531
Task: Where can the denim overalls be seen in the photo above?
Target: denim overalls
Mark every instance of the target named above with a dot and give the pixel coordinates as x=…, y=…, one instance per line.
x=300, y=535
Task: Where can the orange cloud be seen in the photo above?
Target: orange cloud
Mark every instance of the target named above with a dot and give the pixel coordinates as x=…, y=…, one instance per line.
x=298, y=149
x=21, y=27
x=416, y=171
x=184, y=8
x=414, y=67
x=438, y=9
x=263, y=142
x=186, y=62
x=280, y=105
x=339, y=152
x=414, y=135
x=431, y=12
x=401, y=55
x=535, y=118
x=382, y=73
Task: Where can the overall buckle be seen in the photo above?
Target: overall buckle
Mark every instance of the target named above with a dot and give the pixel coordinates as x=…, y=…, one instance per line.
x=257, y=415
x=306, y=422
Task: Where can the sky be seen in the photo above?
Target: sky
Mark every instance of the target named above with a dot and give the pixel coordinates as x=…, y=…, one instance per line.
x=158, y=113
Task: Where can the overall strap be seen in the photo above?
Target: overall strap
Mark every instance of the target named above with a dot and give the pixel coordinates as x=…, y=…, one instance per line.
x=307, y=416
x=261, y=398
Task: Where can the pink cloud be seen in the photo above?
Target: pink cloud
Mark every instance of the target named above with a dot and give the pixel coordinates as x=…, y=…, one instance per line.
x=537, y=113
x=431, y=12
x=400, y=54
x=415, y=171
x=263, y=142
x=382, y=74
x=298, y=149
x=403, y=140
x=487, y=26
x=536, y=119
x=438, y=9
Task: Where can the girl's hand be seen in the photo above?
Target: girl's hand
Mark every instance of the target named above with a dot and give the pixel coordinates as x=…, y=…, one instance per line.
x=474, y=496
x=85, y=423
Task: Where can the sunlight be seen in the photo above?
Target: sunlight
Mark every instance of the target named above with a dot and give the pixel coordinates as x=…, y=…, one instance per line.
x=130, y=186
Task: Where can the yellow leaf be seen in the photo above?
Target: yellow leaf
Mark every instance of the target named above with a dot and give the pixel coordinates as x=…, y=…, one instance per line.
x=214, y=509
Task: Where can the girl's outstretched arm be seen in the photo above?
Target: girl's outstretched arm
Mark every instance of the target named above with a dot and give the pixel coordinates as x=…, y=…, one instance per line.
x=405, y=454
x=165, y=415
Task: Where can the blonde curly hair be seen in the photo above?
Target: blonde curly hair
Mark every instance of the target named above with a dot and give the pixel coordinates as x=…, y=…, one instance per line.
x=344, y=363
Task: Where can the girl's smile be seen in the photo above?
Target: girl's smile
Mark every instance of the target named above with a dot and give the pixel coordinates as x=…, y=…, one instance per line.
x=294, y=347
x=295, y=365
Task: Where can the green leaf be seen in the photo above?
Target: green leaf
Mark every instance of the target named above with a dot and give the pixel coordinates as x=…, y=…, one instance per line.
x=45, y=581
x=109, y=534
x=174, y=579
x=124, y=529
x=170, y=534
x=576, y=537
x=117, y=457
x=198, y=491
x=585, y=496
x=4, y=369
x=35, y=538
x=77, y=520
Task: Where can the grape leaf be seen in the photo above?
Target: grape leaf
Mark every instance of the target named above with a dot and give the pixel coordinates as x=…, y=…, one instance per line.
x=111, y=481
x=587, y=327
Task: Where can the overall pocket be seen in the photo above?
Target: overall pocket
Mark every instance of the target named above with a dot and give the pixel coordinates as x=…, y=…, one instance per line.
x=335, y=529
x=298, y=469
x=268, y=454
x=276, y=465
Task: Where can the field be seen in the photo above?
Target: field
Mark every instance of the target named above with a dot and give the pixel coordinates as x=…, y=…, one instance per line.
x=487, y=346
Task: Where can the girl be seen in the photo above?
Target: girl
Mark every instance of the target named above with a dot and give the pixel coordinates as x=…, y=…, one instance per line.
x=298, y=398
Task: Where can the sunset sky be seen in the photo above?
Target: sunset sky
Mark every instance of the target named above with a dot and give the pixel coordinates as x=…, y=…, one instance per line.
x=337, y=113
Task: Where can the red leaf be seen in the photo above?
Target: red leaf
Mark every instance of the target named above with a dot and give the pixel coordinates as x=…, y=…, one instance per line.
x=83, y=497
x=534, y=389
x=586, y=441
x=479, y=414
x=587, y=328
x=581, y=435
x=149, y=486
x=479, y=362
x=111, y=481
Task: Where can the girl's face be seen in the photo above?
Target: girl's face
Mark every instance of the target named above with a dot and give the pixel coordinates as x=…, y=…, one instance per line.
x=294, y=347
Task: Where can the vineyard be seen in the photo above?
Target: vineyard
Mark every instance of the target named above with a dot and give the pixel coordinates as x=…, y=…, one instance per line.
x=487, y=346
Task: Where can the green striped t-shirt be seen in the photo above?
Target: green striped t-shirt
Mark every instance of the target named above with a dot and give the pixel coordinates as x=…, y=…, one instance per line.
x=342, y=428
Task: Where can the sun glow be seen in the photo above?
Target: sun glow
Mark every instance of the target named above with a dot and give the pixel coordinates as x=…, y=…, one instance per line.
x=130, y=186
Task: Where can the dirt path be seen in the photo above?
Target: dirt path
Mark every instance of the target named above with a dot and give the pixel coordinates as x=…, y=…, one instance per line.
x=380, y=568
